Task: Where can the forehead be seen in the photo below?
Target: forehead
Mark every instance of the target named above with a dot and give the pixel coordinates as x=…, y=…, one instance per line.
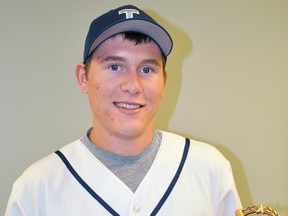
x=119, y=42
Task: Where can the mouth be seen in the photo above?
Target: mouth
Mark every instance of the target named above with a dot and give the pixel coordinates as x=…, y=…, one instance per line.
x=130, y=106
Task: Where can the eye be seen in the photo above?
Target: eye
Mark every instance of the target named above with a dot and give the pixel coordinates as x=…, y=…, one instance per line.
x=146, y=70
x=114, y=67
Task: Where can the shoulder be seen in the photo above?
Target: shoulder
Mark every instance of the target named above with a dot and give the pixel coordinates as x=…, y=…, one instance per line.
x=198, y=151
x=44, y=169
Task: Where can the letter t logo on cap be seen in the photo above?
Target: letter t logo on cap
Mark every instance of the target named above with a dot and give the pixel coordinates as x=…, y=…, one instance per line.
x=129, y=12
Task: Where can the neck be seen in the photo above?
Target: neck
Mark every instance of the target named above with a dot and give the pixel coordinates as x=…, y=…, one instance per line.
x=123, y=145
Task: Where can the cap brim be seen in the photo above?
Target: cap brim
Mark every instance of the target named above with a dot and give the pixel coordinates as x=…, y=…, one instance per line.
x=155, y=32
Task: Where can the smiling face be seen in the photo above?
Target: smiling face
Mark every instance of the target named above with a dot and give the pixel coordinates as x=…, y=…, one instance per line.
x=124, y=83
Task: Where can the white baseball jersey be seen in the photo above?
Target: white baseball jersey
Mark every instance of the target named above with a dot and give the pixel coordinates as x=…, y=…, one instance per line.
x=186, y=178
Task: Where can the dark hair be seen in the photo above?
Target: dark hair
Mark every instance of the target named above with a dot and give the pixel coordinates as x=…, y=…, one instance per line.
x=136, y=37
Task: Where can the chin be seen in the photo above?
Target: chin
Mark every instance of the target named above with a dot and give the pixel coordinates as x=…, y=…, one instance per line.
x=132, y=133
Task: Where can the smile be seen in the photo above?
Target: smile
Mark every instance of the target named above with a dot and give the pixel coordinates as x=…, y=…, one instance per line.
x=128, y=106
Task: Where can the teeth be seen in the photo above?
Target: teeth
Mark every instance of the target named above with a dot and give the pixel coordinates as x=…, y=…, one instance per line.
x=127, y=106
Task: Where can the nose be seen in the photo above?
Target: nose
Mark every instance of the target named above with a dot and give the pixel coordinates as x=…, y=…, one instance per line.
x=132, y=83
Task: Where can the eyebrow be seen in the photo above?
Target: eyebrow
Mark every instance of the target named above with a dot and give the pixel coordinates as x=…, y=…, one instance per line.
x=151, y=61
x=113, y=58
x=121, y=59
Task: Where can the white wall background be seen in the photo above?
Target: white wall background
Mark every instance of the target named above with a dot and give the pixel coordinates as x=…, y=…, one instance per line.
x=228, y=84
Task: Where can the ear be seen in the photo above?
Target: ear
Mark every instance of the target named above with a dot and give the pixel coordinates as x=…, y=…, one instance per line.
x=82, y=77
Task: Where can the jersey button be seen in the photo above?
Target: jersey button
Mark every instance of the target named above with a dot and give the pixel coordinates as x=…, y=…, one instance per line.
x=136, y=208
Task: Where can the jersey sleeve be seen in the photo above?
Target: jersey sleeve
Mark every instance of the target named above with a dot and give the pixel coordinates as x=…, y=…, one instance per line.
x=229, y=199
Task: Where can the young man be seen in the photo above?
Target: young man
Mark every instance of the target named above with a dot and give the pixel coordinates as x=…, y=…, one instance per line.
x=123, y=166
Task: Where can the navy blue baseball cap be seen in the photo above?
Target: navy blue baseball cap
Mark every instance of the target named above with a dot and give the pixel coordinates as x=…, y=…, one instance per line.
x=125, y=19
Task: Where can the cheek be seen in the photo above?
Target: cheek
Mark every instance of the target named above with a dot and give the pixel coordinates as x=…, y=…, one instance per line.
x=101, y=96
x=103, y=87
x=158, y=91
x=94, y=94
x=97, y=87
x=154, y=96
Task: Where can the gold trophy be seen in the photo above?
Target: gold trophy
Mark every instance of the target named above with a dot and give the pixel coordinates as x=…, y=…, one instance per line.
x=256, y=209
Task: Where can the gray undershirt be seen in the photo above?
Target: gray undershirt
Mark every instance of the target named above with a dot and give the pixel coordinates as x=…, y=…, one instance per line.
x=129, y=169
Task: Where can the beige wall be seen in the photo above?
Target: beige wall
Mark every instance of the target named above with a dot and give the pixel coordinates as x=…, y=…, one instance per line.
x=228, y=76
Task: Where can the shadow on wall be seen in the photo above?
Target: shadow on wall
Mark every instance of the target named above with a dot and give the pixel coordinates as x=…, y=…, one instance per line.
x=281, y=209
x=182, y=48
